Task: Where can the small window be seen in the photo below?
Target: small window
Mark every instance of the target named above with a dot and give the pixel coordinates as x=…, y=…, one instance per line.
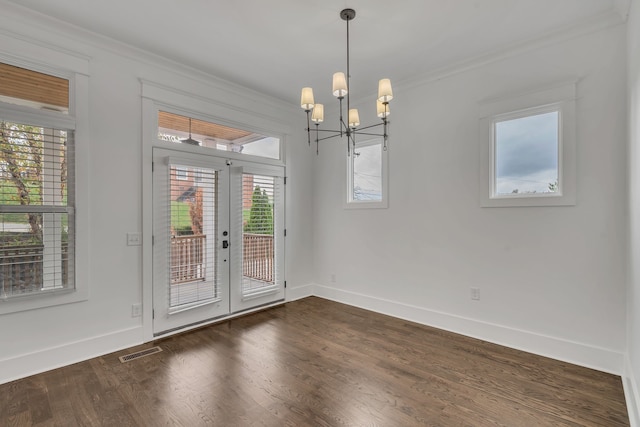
x=526, y=155
x=366, y=176
x=528, y=149
x=187, y=130
x=182, y=174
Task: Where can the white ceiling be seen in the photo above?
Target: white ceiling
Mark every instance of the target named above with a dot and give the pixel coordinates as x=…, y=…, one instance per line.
x=278, y=46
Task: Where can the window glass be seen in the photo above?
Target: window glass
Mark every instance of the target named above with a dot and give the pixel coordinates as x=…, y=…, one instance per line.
x=36, y=196
x=366, y=176
x=526, y=155
x=367, y=173
x=186, y=130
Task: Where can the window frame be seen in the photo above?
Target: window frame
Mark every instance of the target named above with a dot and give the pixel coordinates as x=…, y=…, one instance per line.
x=74, y=69
x=182, y=174
x=349, y=202
x=558, y=98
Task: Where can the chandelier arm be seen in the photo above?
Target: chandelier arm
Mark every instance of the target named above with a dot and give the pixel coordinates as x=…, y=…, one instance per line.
x=341, y=118
x=370, y=126
x=327, y=137
x=308, y=128
x=370, y=134
x=344, y=128
x=351, y=142
x=329, y=130
x=386, y=135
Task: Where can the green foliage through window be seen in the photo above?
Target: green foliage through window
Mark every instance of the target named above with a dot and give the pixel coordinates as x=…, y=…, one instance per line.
x=260, y=214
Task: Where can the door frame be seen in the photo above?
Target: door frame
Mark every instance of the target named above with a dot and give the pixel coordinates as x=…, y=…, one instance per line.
x=206, y=102
x=229, y=205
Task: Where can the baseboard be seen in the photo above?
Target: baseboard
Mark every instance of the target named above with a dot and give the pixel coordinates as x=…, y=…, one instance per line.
x=631, y=393
x=299, y=292
x=25, y=365
x=601, y=359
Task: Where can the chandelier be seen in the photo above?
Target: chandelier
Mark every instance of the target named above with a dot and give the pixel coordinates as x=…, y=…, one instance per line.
x=315, y=112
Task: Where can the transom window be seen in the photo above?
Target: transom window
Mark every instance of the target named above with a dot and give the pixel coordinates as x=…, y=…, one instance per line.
x=187, y=130
x=21, y=86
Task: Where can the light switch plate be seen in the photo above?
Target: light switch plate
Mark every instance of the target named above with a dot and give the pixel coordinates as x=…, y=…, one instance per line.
x=134, y=239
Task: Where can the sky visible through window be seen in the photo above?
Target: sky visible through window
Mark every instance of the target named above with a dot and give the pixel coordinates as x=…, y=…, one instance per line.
x=266, y=147
x=527, y=154
x=367, y=173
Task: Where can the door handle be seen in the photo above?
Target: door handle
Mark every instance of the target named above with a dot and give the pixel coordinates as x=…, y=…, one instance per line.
x=225, y=244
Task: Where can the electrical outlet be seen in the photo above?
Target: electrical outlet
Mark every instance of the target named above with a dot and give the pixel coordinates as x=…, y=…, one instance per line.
x=134, y=239
x=475, y=294
x=333, y=278
x=136, y=310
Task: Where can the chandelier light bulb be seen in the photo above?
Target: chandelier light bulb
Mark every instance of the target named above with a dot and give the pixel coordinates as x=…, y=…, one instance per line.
x=318, y=113
x=339, y=85
x=354, y=118
x=385, y=93
x=382, y=109
x=306, y=99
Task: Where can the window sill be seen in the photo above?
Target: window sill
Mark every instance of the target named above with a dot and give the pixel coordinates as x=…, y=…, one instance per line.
x=366, y=205
x=541, y=200
x=41, y=300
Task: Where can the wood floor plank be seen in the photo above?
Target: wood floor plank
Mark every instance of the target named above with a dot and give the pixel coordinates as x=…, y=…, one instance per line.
x=315, y=362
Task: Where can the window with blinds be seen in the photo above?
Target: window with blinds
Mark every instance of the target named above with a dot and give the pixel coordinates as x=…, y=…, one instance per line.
x=259, y=272
x=36, y=209
x=193, y=207
x=37, y=185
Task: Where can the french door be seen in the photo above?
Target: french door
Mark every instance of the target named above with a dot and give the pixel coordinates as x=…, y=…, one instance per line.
x=218, y=238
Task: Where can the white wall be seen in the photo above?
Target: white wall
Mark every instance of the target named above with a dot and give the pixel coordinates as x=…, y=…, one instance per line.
x=633, y=295
x=41, y=339
x=552, y=279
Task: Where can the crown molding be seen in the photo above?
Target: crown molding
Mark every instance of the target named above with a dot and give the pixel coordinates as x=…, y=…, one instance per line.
x=14, y=15
x=622, y=8
x=601, y=22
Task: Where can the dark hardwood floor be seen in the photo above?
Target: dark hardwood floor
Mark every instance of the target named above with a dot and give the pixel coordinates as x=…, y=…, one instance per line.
x=318, y=363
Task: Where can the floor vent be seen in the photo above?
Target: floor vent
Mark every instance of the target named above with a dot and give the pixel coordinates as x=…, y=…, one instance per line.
x=139, y=354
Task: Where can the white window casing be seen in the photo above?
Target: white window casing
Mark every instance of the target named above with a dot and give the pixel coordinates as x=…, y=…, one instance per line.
x=53, y=210
x=560, y=98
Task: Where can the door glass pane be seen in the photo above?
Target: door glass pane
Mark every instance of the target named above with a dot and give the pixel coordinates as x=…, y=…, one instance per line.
x=36, y=226
x=258, y=256
x=193, y=276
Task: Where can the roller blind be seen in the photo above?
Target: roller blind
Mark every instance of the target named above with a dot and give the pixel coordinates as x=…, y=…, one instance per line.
x=38, y=89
